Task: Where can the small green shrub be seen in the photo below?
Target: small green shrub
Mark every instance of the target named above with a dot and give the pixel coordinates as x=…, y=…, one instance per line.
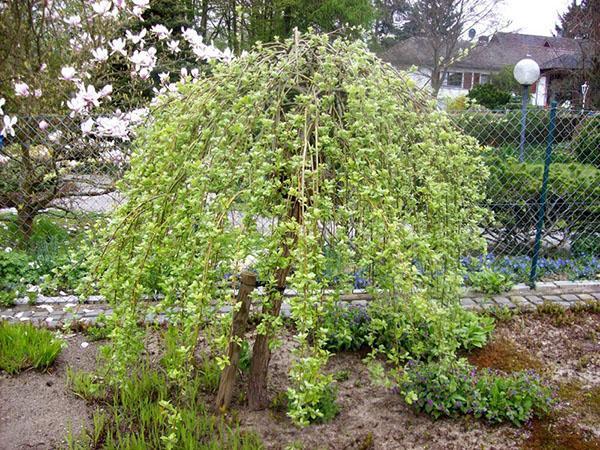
x=457, y=104
x=453, y=387
x=586, y=142
x=51, y=259
x=313, y=406
x=414, y=329
x=490, y=282
x=490, y=96
x=347, y=328
x=472, y=330
x=23, y=346
x=586, y=244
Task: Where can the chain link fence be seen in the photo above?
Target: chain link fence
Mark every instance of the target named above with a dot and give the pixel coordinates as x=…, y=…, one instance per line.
x=566, y=143
x=50, y=169
x=48, y=166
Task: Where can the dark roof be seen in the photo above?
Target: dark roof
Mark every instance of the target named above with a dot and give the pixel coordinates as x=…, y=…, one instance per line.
x=503, y=49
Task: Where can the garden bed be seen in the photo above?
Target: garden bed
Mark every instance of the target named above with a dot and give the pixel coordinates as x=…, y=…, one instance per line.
x=37, y=409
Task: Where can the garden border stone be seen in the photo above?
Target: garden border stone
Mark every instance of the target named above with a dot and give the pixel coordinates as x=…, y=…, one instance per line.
x=65, y=310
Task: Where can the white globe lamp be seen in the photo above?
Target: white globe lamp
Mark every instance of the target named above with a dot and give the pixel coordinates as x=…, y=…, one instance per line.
x=527, y=72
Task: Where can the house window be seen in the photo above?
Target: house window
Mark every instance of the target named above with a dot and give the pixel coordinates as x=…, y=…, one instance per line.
x=454, y=79
x=484, y=78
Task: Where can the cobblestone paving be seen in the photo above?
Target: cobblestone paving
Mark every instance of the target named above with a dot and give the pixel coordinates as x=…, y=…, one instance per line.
x=56, y=312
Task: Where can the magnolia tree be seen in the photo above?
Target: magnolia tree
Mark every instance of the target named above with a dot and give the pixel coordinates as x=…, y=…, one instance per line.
x=46, y=159
x=290, y=154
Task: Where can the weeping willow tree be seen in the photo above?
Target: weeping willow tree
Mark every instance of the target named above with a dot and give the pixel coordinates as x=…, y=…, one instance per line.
x=293, y=153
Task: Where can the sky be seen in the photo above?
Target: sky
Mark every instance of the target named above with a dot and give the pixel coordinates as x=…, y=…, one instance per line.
x=533, y=16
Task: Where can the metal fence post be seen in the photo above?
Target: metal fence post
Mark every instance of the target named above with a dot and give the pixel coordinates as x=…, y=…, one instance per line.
x=524, y=103
x=543, y=194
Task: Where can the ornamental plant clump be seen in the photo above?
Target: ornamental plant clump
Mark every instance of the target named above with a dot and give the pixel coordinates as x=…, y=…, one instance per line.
x=294, y=151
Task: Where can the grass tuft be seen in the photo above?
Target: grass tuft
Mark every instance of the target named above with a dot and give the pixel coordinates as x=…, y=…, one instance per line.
x=149, y=411
x=23, y=346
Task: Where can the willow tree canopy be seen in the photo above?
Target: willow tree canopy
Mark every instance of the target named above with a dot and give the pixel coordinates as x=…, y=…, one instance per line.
x=310, y=158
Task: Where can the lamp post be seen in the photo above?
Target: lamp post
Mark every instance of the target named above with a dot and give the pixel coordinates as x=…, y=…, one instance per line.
x=526, y=73
x=585, y=87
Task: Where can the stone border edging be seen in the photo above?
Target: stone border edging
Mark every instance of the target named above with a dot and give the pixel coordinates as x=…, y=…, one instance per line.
x=55, y=312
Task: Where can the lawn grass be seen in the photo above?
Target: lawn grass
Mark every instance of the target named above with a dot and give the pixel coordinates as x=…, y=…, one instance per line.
x=23, y=346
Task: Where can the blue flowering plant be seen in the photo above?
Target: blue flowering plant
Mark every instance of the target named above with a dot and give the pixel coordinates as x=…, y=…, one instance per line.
x=516, y=268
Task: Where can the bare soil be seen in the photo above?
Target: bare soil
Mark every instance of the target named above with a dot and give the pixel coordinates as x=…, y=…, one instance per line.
x=36, y=409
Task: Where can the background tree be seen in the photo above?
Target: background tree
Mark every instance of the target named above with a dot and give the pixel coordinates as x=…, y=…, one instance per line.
x=582, y=21
x=388, y=27
x=443, y=25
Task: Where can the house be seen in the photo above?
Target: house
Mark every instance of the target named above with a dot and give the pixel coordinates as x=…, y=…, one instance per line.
x=555, y=55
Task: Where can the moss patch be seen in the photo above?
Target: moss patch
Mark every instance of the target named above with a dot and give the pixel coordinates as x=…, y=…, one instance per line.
x=548, y=435
x=585, y=401
x=503, y=354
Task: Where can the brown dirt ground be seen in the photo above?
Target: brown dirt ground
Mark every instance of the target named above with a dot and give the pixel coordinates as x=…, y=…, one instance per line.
x=36, y=409
x=35, y=415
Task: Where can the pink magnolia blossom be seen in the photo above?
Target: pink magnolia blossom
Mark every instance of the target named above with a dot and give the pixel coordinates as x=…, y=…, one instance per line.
x=68, y=73
x=100, y=54
x=106, y=90
x=55, y=136
x=9, y=123
x=37, y=93
x=144, y=59
x=22, y=90
x=102, y=7
x=115, y=127
x=77, y=105
x=161, y=32
x=164, y=77
x=87, y=126
x=74, y=21
x=118, y=46
x=43, y=125
x=137, y=115
x=115, y=156
x=136, y=38
x=144, y=73
x=173, y=46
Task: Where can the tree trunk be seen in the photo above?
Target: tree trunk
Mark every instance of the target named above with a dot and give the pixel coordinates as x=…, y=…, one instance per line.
x=238, y=329
x=25, y=218
x=261, y=353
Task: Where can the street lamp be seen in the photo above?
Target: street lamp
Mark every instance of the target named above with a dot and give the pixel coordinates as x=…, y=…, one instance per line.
x=526, y=73
x=585, y=87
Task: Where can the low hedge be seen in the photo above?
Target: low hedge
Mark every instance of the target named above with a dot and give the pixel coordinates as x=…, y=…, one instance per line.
x=494, y=128
x=586, y=141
